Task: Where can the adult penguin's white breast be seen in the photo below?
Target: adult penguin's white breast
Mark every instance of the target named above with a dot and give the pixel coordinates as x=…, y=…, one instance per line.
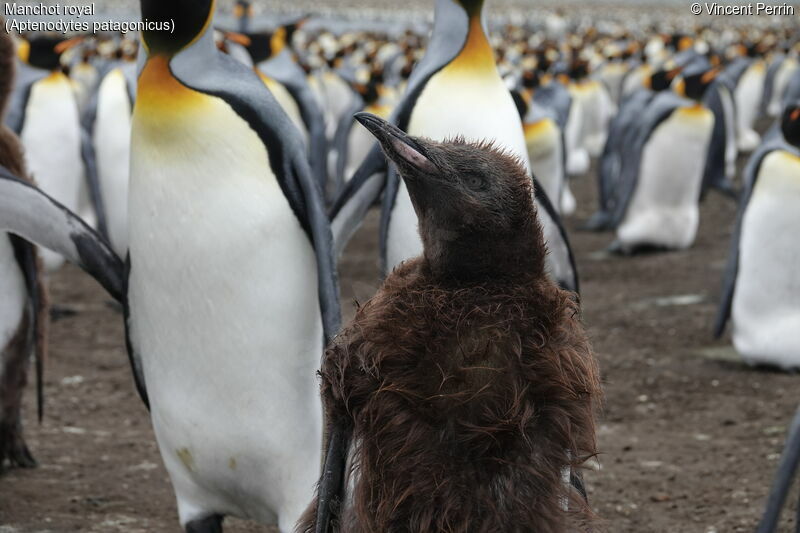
x=52, y=140
x=223, y=306
x=765, y=311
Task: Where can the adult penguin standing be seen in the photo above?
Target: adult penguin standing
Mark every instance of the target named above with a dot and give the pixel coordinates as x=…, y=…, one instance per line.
x=229, y=290
x=621, y=137
x=662, y=176
x=760, y=292
x=455, y=90
x=45, y=116
x=273, y=57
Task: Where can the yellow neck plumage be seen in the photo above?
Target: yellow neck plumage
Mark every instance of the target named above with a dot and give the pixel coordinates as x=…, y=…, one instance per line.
x=477, y=54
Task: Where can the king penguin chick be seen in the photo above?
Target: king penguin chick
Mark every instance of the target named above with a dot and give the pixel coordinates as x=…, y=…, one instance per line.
x=464, y=391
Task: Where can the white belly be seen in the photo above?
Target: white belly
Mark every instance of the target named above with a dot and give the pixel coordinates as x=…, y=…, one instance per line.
x=478, y=108
x=225, y=314
x=766, y=303
x=731, y=148
x=664, y=208
x=52, y=141
x=112, y=140
x=13, y=296
x=543, y=139
x=748, y=100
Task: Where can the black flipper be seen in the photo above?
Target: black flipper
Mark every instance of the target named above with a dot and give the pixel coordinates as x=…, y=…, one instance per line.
x=33, y=215
x=787, y=469
x=25, y=254
x=93, y=181
x=359, y=194
x=30, y=213
x=331, y=483
x=541, y=197
x=341, y=141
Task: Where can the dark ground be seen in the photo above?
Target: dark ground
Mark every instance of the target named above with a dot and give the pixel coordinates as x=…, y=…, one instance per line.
x=690, y=438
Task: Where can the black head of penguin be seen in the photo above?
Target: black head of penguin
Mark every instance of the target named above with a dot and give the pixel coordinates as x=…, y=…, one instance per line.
x=266, y=44
x=531, y=79
x=790, y=123
x=472, y=7
x=476, y=215
x=662, y=79
x=191, y=18
x=43, y=52
x=696, y=84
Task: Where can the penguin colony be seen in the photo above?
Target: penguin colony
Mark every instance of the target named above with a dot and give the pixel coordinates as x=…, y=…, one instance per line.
x=210, y=178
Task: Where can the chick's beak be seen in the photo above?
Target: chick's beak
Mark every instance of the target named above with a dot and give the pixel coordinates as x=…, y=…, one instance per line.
x=397, y=144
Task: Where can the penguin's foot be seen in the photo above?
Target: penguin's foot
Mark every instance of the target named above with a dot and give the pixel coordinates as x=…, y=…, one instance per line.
x=14, y=453
x=619, y=248
x=726, y=188
x=600, y=221
x=57, y=312
x=209, y=524
x=115, y=305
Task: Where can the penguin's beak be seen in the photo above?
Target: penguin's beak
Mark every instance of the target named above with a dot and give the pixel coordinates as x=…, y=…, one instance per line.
x=397, y=144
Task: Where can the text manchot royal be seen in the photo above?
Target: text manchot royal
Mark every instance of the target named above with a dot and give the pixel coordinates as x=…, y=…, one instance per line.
x=748, y=9
x=72, y=23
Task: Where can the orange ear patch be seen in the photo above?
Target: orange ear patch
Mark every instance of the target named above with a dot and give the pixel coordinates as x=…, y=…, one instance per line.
x=63, y=46
x=238, y=38
x=709, y=76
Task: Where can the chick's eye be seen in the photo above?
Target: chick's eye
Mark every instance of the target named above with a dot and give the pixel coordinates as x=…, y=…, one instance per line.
x=474, y=182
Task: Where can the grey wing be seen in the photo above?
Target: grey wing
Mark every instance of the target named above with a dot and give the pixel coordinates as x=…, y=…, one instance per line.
x=286, y=71
x=360, y=193
x=26, y=77
x=30, y=213
x=93, y=180
x=769, y=82
x=557, y=98
x=341, y=138
x=27, y=260
x=561, y=258
x=714, y=174
x=323, y=245
x=610, y=161
x=792, y=91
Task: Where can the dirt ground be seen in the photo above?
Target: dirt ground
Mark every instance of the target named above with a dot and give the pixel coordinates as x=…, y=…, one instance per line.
x=690, y=437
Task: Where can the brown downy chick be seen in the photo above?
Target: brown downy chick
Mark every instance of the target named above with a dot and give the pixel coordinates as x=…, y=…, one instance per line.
x=29, y=334
x=466, y=386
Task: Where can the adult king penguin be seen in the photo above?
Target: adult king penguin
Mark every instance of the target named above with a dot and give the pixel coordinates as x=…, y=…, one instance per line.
x=23, y=306
x=761, y=295
x=229, y=290
x=45, y=116
x=662, y=171
x=454, y=91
